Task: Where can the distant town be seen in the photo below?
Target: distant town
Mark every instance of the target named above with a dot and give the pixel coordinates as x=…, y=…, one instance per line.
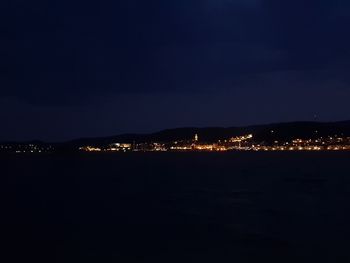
x=277, y=137
x=240, y=143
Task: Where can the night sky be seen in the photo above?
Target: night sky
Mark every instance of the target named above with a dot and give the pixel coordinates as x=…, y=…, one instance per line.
x=93, y=68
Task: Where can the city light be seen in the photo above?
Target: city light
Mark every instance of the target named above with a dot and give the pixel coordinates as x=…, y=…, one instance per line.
x=236, y=143
x=245, y=142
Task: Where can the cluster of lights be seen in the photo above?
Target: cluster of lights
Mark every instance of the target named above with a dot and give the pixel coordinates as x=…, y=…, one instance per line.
x=181, y=148
x=330, y=143
x=284, y=148
x=90, y=149
x=210, y=147
x=117, y=147
x=241, y=138
x=150, y=147
x=238, y=143
x=235, y=143
x=26, y=148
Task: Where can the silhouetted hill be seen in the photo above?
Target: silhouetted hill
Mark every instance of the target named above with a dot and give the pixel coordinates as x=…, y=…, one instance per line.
x=261, y=133
x=268, y=133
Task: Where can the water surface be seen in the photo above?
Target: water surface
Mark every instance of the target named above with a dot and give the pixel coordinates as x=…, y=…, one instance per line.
x=177, y=207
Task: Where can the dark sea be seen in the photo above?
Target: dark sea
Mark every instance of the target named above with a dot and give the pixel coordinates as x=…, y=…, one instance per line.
x=176, y=207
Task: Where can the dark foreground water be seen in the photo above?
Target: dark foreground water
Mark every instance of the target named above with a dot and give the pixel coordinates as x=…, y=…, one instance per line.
x=198, y=207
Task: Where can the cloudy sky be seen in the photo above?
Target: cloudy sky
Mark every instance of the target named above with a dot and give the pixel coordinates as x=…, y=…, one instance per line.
x=93, y=68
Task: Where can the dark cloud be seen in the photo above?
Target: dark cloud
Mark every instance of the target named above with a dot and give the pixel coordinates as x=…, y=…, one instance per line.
x=67, y=52
x=313, y=32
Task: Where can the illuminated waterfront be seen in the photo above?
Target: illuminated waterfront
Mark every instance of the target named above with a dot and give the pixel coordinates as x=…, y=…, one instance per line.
x=238, y=143
x=281, y=137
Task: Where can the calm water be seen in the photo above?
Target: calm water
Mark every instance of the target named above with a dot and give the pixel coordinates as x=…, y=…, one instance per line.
x=231, y=207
